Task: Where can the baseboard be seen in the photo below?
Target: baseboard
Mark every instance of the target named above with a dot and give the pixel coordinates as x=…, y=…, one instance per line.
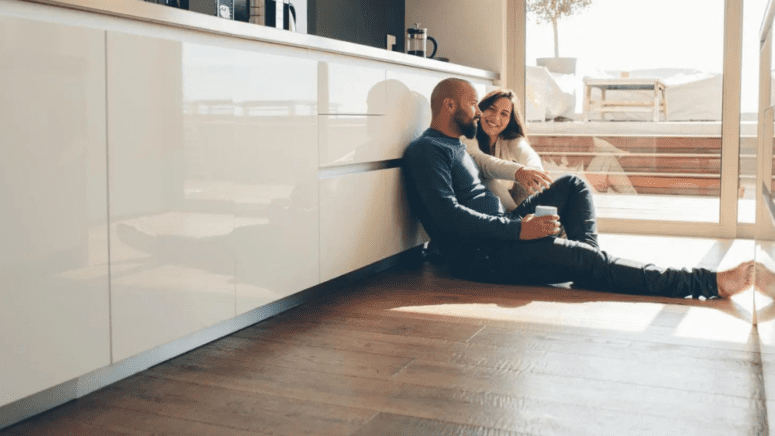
x=78, y=387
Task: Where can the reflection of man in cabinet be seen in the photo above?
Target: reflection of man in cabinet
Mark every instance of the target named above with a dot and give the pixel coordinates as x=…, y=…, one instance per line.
x=480, y=241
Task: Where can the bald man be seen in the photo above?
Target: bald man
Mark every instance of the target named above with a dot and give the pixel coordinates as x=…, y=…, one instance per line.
x=480, y=241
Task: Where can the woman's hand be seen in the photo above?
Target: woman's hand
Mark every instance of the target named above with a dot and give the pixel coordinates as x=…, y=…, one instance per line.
x=535, y=227
x=532, y=179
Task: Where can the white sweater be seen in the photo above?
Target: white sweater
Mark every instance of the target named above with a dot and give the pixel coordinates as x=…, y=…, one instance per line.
x=498, y=171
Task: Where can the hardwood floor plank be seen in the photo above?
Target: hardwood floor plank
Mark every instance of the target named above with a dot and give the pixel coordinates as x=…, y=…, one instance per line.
x=446, y=382
x=400, y=425
x=452, y=405
x=326, y=360
x=70, y=428
x=626, y=397
x=595, y=423
x=683, y=372
x=501, y=345
x=233, y=409
x=368, y=322
x=87, y=418
x=714, y=323
x=522, y=336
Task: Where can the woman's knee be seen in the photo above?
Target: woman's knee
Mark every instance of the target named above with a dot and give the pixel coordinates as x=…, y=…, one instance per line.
x=571, y=180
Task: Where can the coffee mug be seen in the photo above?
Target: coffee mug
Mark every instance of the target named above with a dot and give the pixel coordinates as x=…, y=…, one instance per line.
x=545, y=210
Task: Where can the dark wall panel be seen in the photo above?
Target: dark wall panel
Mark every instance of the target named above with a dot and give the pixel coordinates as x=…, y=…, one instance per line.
x=366, y=22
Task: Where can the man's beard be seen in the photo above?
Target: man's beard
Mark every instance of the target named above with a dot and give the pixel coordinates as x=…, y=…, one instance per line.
x=467, y=129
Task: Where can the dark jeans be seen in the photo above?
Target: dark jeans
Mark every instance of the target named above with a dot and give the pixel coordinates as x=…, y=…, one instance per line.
x=577, y=259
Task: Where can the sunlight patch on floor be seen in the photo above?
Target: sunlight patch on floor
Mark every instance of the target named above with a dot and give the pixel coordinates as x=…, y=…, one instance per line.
x=711, y=324
x=630, y=317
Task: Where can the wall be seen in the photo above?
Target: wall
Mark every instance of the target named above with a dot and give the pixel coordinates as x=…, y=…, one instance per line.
x=469, y=32
x=364, y=22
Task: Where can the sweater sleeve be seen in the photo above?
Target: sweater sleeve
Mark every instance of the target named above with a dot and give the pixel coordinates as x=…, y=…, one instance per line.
x=526, y=155
x=430, y=170
x=491, y=167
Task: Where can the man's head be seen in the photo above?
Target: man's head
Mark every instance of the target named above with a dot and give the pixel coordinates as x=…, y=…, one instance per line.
x=454, y=107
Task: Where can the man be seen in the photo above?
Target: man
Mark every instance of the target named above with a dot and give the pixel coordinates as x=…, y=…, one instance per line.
x=468, y=225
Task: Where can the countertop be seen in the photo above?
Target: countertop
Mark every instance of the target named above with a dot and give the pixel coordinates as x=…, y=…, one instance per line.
x=165, y=15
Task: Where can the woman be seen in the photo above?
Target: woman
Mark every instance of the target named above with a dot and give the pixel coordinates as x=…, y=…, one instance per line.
x=501, y=135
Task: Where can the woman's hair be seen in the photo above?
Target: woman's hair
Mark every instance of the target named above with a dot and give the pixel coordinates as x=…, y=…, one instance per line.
x=516, y=126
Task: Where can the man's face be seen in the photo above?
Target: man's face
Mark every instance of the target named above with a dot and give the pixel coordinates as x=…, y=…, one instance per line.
x=467, y=114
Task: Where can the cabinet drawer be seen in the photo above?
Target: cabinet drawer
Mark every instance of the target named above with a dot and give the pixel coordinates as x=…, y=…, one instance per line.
x=350, y=87
x=349, y=139
x=364, y=218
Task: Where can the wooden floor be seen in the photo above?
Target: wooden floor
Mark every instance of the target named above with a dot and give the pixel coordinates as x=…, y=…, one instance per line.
x=415, y=352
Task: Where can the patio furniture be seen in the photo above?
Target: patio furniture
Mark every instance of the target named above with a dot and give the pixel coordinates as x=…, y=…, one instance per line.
x=657, y=102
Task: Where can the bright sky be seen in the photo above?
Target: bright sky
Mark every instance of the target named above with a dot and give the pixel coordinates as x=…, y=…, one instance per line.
x=642, y=34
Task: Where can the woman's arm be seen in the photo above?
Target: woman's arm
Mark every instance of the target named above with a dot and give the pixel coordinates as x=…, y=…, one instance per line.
x=525, y=153
x=492, y=167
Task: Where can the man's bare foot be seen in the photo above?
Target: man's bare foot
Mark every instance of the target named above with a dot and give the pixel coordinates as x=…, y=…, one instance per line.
x=736, y=280
x=765, y=280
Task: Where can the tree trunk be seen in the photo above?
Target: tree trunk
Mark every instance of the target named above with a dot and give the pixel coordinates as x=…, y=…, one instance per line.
x=556, y=42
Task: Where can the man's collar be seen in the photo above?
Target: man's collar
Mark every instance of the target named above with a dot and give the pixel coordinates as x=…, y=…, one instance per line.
x=435, y=133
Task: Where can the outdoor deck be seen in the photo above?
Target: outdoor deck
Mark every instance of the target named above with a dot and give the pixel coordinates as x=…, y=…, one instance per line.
x=644, y=170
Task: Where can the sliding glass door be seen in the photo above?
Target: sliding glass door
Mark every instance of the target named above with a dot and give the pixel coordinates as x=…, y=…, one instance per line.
x=643, y=99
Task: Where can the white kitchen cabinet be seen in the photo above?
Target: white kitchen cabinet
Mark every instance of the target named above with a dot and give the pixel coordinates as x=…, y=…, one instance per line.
x=274, y=169
x=364, y=218
x=350, y=139
x=171, y=141
x=350, y=86
x=410, y=89
x=353, y=139
x=54, y=314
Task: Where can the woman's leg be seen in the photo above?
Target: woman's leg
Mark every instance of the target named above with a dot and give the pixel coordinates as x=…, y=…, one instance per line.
x=573, y=199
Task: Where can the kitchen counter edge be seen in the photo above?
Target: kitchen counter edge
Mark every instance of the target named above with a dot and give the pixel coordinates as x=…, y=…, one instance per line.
x=159, y=14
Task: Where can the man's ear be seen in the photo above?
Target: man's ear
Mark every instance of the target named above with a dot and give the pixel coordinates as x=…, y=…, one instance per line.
x=450, y=105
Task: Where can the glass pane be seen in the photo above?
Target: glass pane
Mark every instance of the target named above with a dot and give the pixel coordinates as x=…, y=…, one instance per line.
x=637, y=112
x=753, y=11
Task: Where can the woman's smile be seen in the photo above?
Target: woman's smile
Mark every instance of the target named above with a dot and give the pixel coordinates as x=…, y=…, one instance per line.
x=496, y=117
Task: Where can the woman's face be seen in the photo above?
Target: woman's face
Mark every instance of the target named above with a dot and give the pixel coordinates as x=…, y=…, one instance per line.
x=496, y=117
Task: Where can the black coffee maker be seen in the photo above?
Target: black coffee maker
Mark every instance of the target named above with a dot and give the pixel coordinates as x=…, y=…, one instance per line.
x=288, y=14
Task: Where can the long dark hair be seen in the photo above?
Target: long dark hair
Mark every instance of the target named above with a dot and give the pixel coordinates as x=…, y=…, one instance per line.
x=516, y=126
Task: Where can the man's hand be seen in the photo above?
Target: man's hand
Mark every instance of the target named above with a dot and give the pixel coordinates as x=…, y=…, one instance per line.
x=532, y=179
x=534, y=227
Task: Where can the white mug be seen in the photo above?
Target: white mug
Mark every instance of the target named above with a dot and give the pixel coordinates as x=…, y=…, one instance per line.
x=545, y=210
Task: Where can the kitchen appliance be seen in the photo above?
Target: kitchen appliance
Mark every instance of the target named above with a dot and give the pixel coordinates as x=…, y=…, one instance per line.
x=182, y=4
x=289, y=16
x=270, y=13
x=416, y=41
x=225, y=9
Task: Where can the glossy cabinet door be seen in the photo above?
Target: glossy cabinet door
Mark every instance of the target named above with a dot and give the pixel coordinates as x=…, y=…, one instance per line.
x=409, y=96
x=54, y=313
x=350, y=86
x=274, y=169
x=364, y=218
x=356, y=138
x=171, y=191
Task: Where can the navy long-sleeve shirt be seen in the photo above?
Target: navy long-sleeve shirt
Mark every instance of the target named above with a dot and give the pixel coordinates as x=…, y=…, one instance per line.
x=445, y=191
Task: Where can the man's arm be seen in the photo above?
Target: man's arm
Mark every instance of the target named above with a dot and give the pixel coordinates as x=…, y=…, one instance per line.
x=430, y=171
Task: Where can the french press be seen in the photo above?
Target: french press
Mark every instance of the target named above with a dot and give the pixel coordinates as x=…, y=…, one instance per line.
x=416, y=41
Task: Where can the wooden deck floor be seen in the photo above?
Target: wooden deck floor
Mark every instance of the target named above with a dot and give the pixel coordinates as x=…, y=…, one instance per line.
x=415, y=352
